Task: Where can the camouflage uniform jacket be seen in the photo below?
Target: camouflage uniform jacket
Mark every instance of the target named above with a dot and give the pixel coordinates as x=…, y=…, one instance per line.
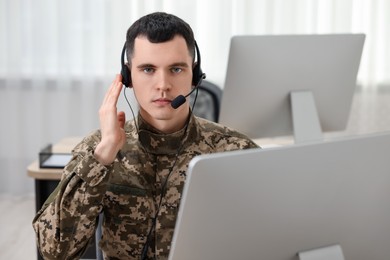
x=127, y=191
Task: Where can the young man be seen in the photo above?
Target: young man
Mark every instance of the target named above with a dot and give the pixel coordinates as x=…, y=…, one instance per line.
x=134, y=171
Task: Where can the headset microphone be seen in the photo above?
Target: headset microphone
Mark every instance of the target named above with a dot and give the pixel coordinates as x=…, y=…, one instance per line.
x=180, y=100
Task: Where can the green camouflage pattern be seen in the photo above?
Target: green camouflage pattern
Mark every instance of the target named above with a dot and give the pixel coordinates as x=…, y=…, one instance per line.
x=128, y=191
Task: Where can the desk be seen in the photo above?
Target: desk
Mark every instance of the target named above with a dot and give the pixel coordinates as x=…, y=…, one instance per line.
x=47, y=179
x=274, y=142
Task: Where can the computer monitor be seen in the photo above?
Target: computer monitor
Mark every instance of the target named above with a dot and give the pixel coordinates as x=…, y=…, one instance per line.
x=263, y=70
x=273, y=203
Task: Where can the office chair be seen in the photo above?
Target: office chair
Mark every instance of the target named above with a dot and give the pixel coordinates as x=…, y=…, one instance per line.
x=208, y=101
x=98, y=235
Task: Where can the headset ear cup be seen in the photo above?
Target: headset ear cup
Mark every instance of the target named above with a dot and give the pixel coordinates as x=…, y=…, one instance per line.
x=197, y=74
x=125, y=72
x=126, y=76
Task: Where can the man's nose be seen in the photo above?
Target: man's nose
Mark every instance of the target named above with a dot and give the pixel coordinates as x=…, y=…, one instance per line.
x=163, y=81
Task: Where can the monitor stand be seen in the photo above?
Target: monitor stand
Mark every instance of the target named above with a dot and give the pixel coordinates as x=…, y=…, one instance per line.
x=306, y=124
x=333, y=252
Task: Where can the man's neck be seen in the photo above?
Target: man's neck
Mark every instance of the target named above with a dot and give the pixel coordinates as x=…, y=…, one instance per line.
x=168, y=126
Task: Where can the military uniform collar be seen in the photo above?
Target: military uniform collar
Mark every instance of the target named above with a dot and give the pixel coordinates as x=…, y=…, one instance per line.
x=156, y=142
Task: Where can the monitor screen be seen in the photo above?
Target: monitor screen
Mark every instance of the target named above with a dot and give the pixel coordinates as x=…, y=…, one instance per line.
x=263, y=70
x=274, y=203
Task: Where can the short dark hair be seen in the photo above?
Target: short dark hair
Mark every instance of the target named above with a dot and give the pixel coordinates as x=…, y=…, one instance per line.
x=159, y=27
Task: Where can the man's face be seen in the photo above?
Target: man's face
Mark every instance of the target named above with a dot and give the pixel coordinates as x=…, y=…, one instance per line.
x=160, y=72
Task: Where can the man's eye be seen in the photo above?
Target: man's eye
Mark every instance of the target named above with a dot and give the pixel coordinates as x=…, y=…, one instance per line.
x=148, y=70
x=176, y=70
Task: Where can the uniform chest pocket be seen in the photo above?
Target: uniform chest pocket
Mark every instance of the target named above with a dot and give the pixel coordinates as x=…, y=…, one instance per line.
x=127, y=204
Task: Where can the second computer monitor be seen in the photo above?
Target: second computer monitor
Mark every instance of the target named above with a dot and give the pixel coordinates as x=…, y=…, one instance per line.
x=263, y=70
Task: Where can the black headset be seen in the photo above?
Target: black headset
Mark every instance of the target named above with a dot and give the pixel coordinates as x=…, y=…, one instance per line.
x=197, y=74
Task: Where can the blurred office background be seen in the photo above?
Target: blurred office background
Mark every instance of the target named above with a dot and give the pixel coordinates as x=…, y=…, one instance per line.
x=57, y=58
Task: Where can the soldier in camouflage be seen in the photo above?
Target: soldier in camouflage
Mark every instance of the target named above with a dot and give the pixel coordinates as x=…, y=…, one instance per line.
x=134, y=171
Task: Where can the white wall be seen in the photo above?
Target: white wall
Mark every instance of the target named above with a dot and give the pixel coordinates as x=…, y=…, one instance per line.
x=58, y=57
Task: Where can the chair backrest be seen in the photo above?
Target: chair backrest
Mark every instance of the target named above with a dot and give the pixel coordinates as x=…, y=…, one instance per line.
x=208, y=101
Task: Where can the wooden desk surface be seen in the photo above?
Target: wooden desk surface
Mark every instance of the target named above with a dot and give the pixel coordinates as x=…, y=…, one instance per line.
x=274, y=142
x=64, y=146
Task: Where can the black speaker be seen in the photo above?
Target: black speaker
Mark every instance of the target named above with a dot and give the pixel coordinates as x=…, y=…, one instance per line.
x=197, y=73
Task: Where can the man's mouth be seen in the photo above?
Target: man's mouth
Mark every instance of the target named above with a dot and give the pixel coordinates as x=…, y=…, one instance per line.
x=162, y=101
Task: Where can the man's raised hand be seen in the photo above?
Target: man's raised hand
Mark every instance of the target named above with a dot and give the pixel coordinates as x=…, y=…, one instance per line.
x=111, y=125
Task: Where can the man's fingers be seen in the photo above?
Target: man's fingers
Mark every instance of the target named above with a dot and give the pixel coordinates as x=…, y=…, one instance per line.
x=121, y=119
x=114, y=90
